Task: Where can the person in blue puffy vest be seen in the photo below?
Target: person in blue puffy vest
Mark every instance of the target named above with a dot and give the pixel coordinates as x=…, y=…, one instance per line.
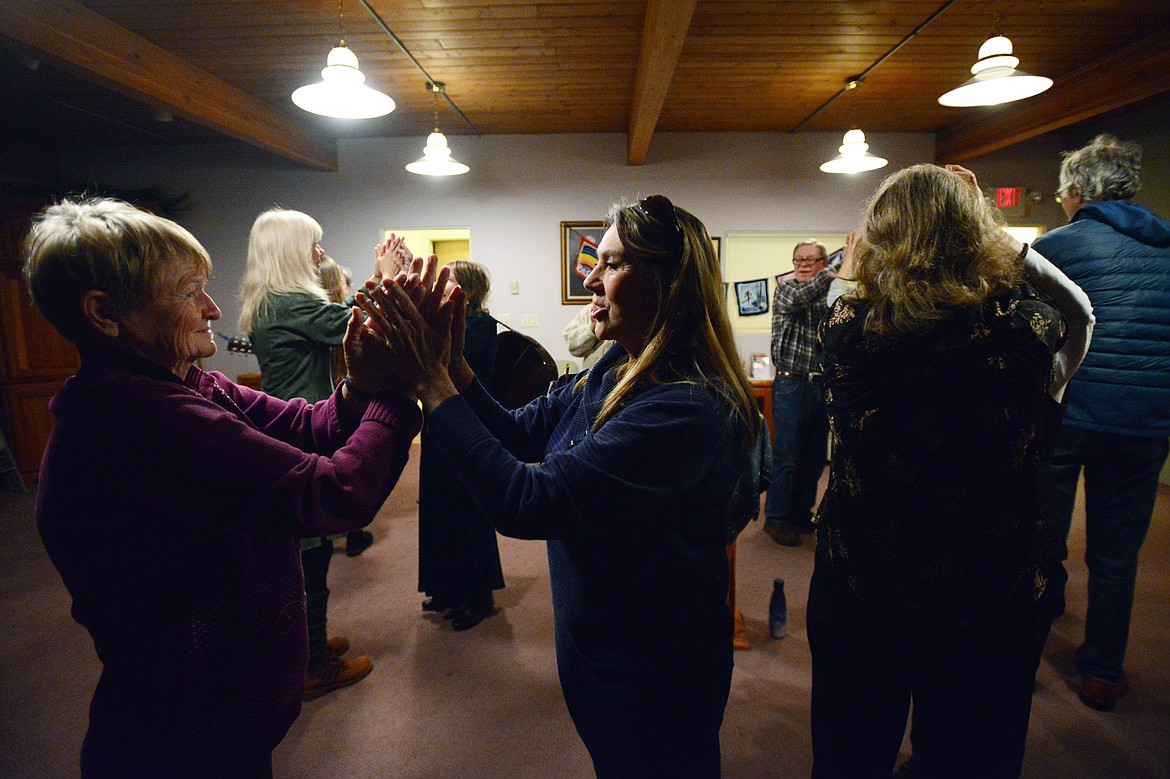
x=1118, y=405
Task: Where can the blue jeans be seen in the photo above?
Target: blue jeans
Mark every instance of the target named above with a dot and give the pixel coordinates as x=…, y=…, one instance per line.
x=798, y=451
x=1121, y=482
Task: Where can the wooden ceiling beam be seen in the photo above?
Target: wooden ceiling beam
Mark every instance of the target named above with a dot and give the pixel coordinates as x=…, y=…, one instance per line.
x=663, y=35
x=133, y=66
x=1127, y=76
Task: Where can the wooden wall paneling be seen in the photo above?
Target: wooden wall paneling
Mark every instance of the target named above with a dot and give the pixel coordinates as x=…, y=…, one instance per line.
x=30, y=423
x=33, y=351
x=34, y=359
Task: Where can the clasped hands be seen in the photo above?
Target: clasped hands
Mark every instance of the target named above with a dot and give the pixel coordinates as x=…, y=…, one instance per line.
x=392, y=257
x=411, y=339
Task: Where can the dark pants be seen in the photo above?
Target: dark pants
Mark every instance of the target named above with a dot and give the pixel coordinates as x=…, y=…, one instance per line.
x=458, y=555
x=1121, y=482
x=971, y=689
x=1052, y=549
x=315, y=563
x=798, y=451
x=639, y=725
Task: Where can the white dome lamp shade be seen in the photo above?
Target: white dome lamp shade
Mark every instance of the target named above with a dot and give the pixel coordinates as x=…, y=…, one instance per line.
x=342, y=92
x=995, y=79
x=436, y=159
x=854, y=156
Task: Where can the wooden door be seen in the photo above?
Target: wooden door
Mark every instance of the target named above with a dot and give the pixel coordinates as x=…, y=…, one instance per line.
x=34, y=359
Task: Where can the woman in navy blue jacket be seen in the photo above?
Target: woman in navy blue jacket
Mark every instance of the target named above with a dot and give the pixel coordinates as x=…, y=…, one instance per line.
x=627, y=473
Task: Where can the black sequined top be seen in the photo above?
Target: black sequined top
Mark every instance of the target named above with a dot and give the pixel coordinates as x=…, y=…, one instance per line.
x=931, y=506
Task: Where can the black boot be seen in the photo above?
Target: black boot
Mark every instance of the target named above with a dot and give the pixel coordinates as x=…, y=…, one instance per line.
x=473, y=612
x=358, y=541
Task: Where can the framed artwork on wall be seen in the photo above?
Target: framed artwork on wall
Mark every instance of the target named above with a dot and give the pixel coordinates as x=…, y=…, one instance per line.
x=578, y=256
x=752, y=297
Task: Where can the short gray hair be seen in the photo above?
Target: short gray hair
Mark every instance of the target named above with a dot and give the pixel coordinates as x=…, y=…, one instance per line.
x=1106, y=169
x=83, y=244
x=812, y=242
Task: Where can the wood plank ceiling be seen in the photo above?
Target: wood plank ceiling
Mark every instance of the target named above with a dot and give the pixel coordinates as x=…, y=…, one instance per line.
x=227, y=67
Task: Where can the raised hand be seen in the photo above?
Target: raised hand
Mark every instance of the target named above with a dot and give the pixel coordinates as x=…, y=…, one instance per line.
x=845, y=270
x=966, y=175
x=419, y=349
x=436, y=288
x=992, y=214
x=367, y=360
x=434, y=283
x=458, y=367
x=392, y=257
x=408, y=279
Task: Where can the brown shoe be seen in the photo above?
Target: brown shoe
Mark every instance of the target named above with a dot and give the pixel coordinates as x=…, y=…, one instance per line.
x=335, y=673
x=1102, y=694
x=338, y=645
x=782, y=534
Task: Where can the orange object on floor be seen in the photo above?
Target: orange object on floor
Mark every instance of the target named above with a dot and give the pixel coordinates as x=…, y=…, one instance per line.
x=739, y=636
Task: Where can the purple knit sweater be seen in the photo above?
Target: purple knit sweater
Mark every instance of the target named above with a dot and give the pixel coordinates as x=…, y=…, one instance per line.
x=172, y=511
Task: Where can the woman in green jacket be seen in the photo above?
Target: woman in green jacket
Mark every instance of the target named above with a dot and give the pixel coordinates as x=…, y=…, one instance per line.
x=293, y=328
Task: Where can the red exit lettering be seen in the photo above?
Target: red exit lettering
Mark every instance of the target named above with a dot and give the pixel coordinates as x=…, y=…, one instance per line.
x=1008, y=197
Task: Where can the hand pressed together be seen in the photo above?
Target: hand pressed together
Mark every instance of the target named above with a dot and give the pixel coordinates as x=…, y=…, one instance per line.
x=391, y=258
x=416, y=317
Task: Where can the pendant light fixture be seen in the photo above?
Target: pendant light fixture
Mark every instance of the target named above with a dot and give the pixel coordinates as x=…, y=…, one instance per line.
x=854, y=154
x=995, y=79
x=436, y=159
x=342, y=92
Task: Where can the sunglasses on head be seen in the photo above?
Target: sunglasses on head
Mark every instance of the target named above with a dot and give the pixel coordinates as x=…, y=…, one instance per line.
x=658, y=208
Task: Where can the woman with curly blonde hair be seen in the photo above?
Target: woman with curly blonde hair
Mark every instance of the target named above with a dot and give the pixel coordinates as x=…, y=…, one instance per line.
x=938, y=366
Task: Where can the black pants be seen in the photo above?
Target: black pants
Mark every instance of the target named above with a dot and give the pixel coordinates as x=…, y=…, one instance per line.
x=315, y=563
x=971, y=690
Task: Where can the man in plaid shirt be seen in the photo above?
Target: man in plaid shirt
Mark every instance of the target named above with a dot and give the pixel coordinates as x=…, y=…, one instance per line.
x=798, y=403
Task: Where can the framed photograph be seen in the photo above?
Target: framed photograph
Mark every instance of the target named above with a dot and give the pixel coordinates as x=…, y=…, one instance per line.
x=718, y=247
x=578, y=256
x=752, y=297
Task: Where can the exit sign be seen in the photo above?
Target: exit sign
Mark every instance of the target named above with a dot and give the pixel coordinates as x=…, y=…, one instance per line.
x=1008, y=197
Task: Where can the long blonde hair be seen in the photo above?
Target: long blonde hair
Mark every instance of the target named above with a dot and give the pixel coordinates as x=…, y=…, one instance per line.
x=690, y=335
x=280, y=260
x=929, y=244
x=334, y=280
x=336, y=285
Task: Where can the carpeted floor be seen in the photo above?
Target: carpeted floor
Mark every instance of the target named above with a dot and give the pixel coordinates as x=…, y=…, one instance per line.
x=486, y=702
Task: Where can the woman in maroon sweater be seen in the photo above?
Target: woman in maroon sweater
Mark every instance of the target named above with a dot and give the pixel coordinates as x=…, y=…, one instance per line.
x=171, y=500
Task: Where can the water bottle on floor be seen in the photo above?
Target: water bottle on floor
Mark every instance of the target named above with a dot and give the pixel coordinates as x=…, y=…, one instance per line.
x=778, y=611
